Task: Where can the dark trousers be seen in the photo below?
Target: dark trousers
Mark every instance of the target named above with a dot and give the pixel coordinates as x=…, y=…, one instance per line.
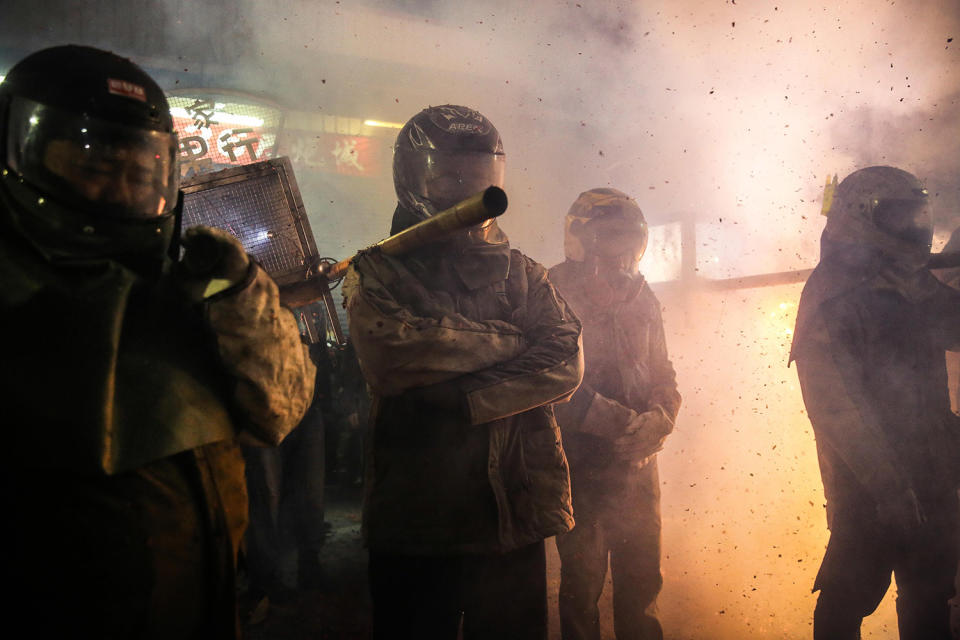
x=618, y=520
x=861, y=555
x=286, y=490
x=955, y=604
x=141, y=554
x=498, y=597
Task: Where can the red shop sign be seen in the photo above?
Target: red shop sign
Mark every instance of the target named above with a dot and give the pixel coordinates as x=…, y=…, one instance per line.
x=334, y=153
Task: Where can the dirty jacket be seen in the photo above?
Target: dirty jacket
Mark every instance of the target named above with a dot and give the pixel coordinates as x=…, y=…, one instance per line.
x=121, y=402
x=952, y=279
x=870, y=359
x=627, y=370
x=485, y=472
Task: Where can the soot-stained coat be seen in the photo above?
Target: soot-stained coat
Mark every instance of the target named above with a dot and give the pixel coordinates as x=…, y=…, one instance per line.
x=121, y=402
x=870, y=357
x=616, y=494
x=465, y=453
x=869, y=347
x=627, y=371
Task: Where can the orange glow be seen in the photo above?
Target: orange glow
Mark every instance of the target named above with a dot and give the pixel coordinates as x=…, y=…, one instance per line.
x=743, y=520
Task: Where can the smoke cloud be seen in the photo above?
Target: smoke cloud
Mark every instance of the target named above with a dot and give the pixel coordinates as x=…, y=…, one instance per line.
x=730, y=116
x=725, y=115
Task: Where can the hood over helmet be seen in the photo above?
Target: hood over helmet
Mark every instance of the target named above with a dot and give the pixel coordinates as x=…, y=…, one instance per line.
x=878, y=233
x=880, y=212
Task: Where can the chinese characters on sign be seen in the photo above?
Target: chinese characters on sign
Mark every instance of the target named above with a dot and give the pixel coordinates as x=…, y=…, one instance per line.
x=214, y=135
x=236, y=138
x=217, y=132
x=202, y=112
x=335, y=153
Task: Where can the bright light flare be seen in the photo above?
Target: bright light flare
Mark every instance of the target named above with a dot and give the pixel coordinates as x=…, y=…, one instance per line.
x=381, y=123
x=662, y=260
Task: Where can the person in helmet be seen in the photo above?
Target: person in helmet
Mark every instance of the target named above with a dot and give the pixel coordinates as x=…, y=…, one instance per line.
x=465, y=344
x=872, y=327
x=616, y=422
x=950, y=275
x=127, y=372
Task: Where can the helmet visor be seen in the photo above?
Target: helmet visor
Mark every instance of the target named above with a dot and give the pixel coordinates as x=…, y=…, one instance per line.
x=611, y=243
x=449, y=178
x=105, y=168
x=615, y=236
x=907, y=219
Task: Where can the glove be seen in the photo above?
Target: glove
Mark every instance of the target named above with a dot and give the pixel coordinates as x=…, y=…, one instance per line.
x=213, y=261
x=902, y=511
x=643, y=436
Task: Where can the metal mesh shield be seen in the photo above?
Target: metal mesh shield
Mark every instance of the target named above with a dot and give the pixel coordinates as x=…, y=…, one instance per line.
x=260, y=204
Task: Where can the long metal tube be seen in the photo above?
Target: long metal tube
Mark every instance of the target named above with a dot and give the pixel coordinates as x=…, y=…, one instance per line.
x=475, y=210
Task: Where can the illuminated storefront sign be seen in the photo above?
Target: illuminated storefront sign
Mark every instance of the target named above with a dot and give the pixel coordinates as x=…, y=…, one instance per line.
x=334, y=153
x=217, y=132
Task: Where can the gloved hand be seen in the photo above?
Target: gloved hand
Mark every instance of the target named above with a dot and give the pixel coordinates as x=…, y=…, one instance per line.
x=643, y=436
x=213, y=261
x=902, y=511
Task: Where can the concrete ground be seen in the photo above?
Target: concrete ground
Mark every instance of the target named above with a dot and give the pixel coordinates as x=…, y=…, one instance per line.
x=339, y=607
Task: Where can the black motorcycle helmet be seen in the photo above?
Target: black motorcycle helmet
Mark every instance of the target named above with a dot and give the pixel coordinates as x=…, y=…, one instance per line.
x=444, y=155
x=88, y=154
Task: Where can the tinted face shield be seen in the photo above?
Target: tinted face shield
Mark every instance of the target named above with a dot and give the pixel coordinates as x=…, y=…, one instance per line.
x=97, y=166
x=442, y=179
x=906, y=219
x=618, y=244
